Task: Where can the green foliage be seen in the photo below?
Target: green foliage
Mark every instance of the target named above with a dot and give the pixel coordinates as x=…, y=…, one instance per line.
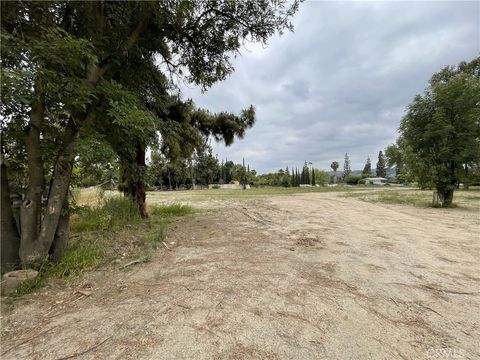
x=172, y=210
x=381, y=165
x=353, y=179
x=440, y=132
x=70, y=68
x=305, y=175
x=335, y=165
x=79, y=257
x=87, y=252
x=322, y=177
x=156, y=233
x=395, y=158
x=113, y=213
x=367, y=169
x=97, y=167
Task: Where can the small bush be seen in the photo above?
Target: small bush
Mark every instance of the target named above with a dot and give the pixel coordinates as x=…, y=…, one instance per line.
x=353, y=180
x=172, y=210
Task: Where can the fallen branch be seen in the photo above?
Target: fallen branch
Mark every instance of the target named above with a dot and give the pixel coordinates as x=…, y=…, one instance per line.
x=164, y=244
x=86, y=351
x=137, y=261
x=83, y=292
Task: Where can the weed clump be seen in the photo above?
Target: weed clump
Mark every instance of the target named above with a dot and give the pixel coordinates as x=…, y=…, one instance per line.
x=112, y=214
x=172, y=210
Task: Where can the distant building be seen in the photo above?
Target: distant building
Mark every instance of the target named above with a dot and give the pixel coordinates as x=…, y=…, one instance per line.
x=375, y=181
x=228, y=186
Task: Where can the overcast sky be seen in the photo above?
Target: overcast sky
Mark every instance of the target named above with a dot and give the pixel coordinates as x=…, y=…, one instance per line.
x=341, y=81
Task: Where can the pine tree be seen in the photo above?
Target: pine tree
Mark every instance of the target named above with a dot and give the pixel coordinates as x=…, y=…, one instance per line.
x=367, y=170
x=305, y=174
x=313, y=176
x=381, y=165
x=347, y=170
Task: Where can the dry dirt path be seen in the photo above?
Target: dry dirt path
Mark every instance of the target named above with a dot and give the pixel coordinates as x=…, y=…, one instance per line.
x=307, y=276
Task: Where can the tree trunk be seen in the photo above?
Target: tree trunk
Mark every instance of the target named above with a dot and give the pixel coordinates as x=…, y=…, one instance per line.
x=33, y=250
x=9, y=237
x=139, y=194
x=30, y=209
x=60, y=241
x=466, y=182
x=445, y=197
x=134, y=183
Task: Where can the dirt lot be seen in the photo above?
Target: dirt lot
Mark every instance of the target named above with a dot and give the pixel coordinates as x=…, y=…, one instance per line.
x=305, y=276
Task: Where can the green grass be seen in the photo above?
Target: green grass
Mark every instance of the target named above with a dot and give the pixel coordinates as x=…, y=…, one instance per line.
x=112, y=214
x=101, y=232
x=394, y=197
x=79, y=257
x=86, y=252
x=172, y=210
x=226, y=195
x=417, y=198
x=155, y=233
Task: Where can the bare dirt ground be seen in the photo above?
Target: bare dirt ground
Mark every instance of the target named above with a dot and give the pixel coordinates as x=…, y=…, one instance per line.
x=307, y=276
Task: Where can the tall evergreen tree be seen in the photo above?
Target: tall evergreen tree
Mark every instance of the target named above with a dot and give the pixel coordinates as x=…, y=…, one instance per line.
x=381, y=165
x=367, y=170
x=347, y=170
x=305, y=179
x=313, y=176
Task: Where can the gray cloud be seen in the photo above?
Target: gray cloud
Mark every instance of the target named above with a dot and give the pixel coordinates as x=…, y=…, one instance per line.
x=341, y=82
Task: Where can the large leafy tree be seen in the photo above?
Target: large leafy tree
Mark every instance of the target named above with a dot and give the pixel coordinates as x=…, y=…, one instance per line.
x=394, y=157
x=67, y=66
x=440, y=134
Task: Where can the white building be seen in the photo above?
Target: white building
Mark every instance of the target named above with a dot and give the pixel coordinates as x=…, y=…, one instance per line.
x=375, y=181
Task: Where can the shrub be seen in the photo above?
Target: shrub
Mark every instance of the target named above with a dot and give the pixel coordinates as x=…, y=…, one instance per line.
x=353, y=180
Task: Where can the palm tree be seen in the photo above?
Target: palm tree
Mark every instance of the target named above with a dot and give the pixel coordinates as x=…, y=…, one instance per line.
x=334, y=165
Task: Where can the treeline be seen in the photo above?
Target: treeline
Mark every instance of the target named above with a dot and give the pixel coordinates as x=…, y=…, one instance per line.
x=199, y=170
